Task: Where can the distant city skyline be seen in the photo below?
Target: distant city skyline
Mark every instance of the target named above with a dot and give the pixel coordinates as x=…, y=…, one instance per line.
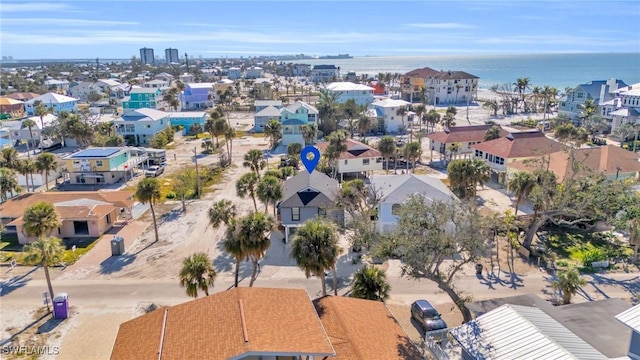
x=119, y=29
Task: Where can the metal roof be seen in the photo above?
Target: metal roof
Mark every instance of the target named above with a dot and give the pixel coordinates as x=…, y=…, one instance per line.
x=521, y=332
x=631, y=318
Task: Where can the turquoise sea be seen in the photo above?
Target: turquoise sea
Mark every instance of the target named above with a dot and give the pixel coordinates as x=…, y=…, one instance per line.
x=558, y=70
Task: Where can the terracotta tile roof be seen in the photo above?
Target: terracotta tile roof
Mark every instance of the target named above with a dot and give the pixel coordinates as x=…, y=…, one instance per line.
x=423, y=73
x=519, y=145
x=276, y=321
x=99, y=201
x=462, y=134
x=363, y=329
x=23, y=96
x=602, y=159
x=355, y=150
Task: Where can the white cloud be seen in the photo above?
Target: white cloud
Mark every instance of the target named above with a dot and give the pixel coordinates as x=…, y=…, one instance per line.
x=34, y=7
x=558, y=39
x=446, y=25
x=65, y=22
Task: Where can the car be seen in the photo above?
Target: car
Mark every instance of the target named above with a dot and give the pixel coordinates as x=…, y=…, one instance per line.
x=427, y=316
x=153, y=171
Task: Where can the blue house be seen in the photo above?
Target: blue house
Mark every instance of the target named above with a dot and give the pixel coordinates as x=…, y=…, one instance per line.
x=53, y=101
x=196, y=96
x=598, y=91
x=142, y=98
x=187, y=119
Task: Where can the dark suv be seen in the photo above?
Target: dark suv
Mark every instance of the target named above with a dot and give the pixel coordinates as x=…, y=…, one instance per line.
x=427, y=316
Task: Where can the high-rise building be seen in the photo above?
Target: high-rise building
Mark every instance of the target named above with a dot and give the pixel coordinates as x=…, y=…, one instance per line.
x=146, y=56
x=171, y=55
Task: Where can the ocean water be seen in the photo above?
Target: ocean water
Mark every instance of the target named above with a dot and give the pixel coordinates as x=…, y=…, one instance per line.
x=557, y=70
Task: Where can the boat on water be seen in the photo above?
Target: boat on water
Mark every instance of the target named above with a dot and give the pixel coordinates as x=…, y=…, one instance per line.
x=339, y=56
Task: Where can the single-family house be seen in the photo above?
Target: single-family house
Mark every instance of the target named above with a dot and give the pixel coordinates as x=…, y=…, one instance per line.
x=305, y=197
x=517, y=146
x=359, y=158
x=349, y=321
x=21, y=133
x=393, y=190
x=610, y=160
x=301, y=70
x=246, y=323
x=386, y=115
x=631, y=319
x=324, y=73
x=165, y=77
x=57, y=85
x=106, y=85
x=23, y=96
x=140, y=125
x=188, y=119
x=260, y=118
x=81, y=213
x=156, y=84
x=259, y=105
x=186, y=78
x=222, y=85
x=345, y=91
x=622, y=116
x=102, y=165
x=234, y=73
x=439, y=87
x=196, y=96
x=293, y=117
x=142, y=98
x=11, y=106
x=81, y=90
x=465, y=136
x=118, y=92
x=598, y=91
x=53, y=101
x=253, y=72
x=514, y=331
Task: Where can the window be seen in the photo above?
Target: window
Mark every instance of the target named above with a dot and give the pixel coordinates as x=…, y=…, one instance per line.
x=478, y=153
x=346, y=162
x=365, y=161
x=378, y=160
x=395, y=209
x=98, y=162
x=108, y=218
x=295, y=214
x=322, y=212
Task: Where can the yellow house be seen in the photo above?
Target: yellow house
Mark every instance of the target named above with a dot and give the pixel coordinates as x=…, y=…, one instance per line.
x=102, y=165
x=81, y=213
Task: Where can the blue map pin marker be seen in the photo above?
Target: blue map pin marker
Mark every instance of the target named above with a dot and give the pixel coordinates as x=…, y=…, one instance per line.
x=310, y=157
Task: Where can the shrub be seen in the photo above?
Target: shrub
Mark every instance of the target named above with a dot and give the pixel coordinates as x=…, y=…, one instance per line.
x=170, y=195
x=587, y=254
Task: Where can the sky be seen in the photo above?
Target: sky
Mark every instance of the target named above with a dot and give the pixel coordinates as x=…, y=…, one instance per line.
x=116, y=29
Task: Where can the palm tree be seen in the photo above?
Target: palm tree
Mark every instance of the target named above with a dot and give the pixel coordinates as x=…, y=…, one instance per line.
x=568, y=282
x=448, y=120
x=364, y=125
x=634, y=236
x=197, y=273
x=309, y=133
x=270, y=191
x=480, y=172
x=45, y=163
x=30, y=124
x=40, y=110
x=254, y=230
x=522, y=84
x=273, y=131
x=492, y=133
x=9, y=158
x=233, y=244
x=370, y=283
x=411, y=151
x=387, y=147
x=521, y=184
x=228, y=136
x=315, y=248
x=337, y=145
x=222, y=211
x=247, y=185
x=148, y=191
x=402, y=112
x=27, y=167
x=8, y=183
x=254, y=160
x=41, y=219
x=433, y=118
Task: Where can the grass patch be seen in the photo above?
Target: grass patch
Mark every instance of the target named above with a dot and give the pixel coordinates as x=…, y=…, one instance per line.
x=83, y=245
x=577, y=247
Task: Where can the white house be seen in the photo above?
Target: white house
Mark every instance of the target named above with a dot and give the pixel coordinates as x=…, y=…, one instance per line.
x=140, y=125
x=359, y=158
x=324, y=73
x=156, y=84
x=440, y=87
x=627, y=106
x=54, y=101
x=55, y=84
x=344, y=91
x=394, y=190
x=82, y=90
x=301, y=69
x=387, y=110
x=253, y=72
x=164, y=76
x=234, y=73
x=106, y=85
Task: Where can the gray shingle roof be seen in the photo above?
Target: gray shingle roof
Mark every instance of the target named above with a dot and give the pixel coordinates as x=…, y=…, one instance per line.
x=396, y=188
x=318, y=181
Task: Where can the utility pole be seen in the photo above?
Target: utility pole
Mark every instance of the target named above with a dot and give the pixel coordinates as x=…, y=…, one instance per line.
x=186, y=58
x=97, y=68
x=195, y=157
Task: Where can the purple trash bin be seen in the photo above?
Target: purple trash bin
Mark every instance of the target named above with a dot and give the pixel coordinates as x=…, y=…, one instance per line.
x=61, y=306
